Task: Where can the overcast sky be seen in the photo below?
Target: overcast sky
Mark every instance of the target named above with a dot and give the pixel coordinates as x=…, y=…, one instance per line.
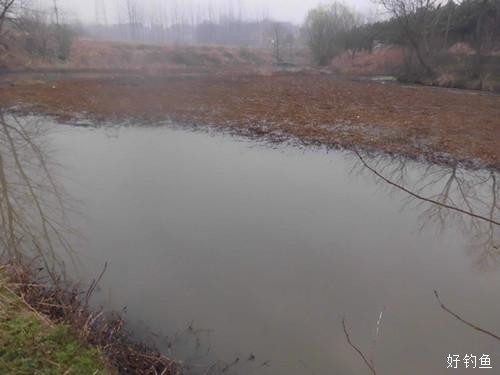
x=284, y=10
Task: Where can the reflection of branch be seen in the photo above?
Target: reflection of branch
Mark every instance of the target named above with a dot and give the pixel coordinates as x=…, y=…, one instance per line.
x=424, y=198
x=368, y=364
x=4, y=189
x=458, y=317
x=32, y=209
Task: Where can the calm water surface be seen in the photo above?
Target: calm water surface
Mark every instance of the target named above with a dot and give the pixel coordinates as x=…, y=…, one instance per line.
x=263, y=251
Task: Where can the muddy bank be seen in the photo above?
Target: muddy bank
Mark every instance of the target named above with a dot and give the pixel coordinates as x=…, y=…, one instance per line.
x=419, y=122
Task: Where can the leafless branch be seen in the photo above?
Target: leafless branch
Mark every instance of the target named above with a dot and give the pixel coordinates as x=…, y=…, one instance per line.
x=458, y=317
x=365, y=360
x=420, y=197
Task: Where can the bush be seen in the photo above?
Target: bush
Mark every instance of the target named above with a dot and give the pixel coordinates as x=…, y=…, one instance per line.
x=326, y=30
x=43, y=39
x=249, y=56
x=65, y=37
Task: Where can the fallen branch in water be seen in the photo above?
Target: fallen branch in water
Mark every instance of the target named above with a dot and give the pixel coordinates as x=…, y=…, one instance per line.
x=458, y=317
x=368, y=363
x=413, y=194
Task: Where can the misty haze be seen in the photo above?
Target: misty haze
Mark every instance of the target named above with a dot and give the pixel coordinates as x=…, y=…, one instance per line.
x=249, y=187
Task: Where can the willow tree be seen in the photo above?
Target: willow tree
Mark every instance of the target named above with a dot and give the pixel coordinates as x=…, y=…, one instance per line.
x=326, y=30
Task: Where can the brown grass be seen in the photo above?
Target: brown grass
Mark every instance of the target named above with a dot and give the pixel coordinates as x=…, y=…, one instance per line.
x=86, y=54
x=384, y=61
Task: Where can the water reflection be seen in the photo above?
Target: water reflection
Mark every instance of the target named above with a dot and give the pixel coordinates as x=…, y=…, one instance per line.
x=271, y=248
x=32, y=205
x=445, y=196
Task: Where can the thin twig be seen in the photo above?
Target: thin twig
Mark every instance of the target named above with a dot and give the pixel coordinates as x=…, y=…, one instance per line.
x=413, y=194
x=458, y=317
x=368, y=364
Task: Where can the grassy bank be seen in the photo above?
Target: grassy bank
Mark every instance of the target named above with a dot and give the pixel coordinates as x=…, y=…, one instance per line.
x=31, y=344
x=48, y=327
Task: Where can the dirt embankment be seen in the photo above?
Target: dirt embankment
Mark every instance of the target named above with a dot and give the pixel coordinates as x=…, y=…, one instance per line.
x=86, y=55
x=438, y=124
x=158, y=59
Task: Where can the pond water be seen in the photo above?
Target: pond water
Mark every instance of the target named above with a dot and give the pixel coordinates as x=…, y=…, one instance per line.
x=257, y=253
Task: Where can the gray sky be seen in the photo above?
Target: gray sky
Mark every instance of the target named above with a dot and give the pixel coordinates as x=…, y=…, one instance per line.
x=285, y=10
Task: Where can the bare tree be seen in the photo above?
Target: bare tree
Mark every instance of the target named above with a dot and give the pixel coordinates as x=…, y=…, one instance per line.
x=46, y=34
x=487, y=21
x=277, y=41
x=56, y=13
x=132, y=17
x=35, y=24
x=415, y=19
x=6, y=7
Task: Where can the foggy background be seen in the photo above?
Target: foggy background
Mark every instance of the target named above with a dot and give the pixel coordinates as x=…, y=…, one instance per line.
x=282, y=10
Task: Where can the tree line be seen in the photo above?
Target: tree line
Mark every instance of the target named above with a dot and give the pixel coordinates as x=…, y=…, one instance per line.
x=424, y=29
x=48, y=32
